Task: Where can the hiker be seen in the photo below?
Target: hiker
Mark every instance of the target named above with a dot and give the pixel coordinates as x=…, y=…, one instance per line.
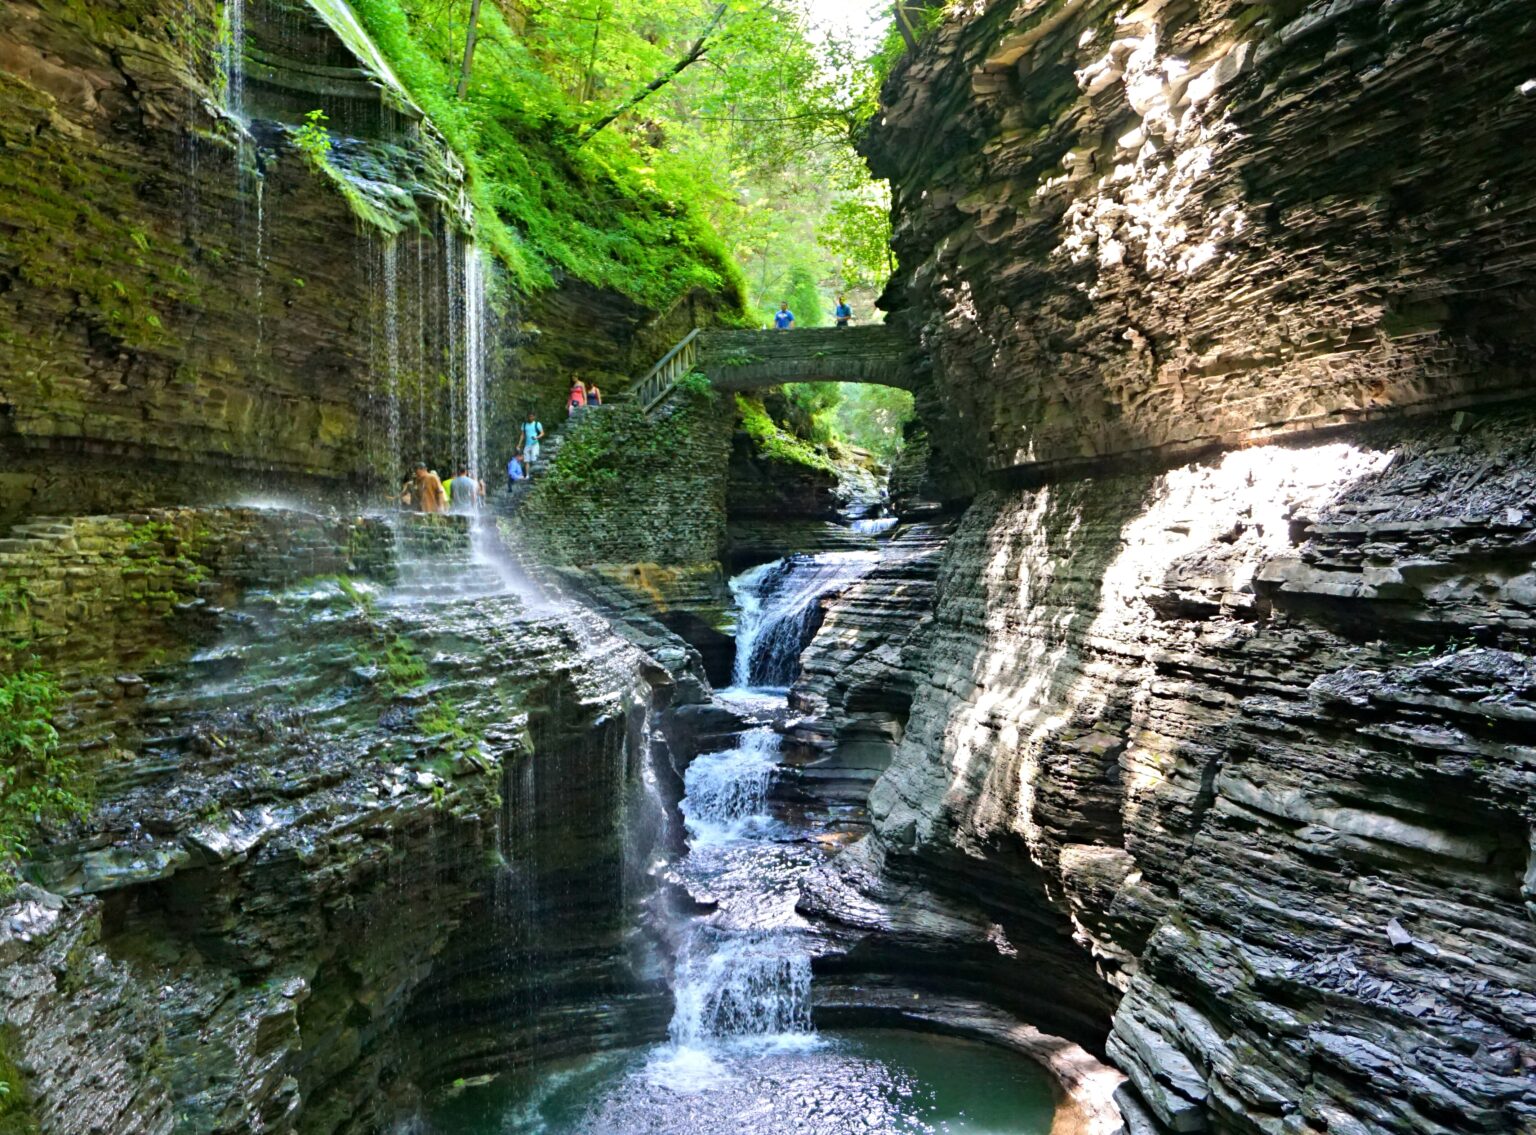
x=466, y=492
x=426, y=492
x=515, y=472
x=533, y=431
x=594, y=395
x=842, y=312
x=784, y=319
x=577, y=400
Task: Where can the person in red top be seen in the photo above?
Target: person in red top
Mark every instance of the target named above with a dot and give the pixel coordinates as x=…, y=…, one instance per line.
x=578, y=397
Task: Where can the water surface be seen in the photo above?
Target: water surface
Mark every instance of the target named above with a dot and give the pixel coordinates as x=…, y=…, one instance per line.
x=873, y=1082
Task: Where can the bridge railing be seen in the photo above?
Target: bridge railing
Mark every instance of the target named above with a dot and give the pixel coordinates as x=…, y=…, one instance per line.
x=651, y=390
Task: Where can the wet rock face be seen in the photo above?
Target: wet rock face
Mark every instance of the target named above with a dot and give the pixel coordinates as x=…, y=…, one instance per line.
x=1199, y=222
x=193, y=313
x=1240, y=753
x=333, y=740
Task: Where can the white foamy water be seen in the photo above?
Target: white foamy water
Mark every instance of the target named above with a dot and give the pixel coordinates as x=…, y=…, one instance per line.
x=777, y=608
x=726, y=793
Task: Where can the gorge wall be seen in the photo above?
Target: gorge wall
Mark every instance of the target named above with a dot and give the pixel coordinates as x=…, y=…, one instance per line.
x=1214, y=755
x=195, y=311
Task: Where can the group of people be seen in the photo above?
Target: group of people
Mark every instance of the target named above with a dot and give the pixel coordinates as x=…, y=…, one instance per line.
x=520, y=464
x=582, y=395
x=842, y=315
x=425, y=491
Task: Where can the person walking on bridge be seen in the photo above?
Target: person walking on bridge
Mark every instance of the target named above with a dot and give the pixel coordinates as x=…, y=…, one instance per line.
x=842, y=313
x=784, y=319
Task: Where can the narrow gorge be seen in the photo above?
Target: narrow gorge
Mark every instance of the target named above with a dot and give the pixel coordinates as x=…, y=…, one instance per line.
x=1113, y=710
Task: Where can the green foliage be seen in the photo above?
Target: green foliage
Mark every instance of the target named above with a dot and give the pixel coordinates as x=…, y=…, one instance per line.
x=804, y=296
x=39, y=783
x=777, y=444
x=402, y=667
x=546, y=204
x=312, y=139
x=696, y=384
x=874, y=418
x=746, y=156
x=17, y=1115
x=445, y=720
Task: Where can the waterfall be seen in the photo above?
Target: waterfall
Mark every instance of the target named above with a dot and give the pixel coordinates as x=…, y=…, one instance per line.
x=474, y=356
x=778, y=605
x=743, y=974
x=727, y=793
x=874, y=526
x=754, y=985
x=232, y=60
x=392, y=347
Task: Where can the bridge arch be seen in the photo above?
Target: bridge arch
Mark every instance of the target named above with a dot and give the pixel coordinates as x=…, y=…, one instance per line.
x=755, y=360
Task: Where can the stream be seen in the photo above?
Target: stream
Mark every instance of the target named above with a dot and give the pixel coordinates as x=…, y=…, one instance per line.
x=743, y=1054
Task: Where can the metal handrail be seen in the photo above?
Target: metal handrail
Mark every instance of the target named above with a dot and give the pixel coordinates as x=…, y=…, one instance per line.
x=658, y=382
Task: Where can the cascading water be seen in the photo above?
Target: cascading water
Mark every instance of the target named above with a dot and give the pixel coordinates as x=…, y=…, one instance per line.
x=232, y=59
x=874, y=525
x=474, y=357
x=743, y=974
x=778, y=607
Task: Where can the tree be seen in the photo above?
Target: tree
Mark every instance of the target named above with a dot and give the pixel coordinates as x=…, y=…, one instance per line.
x=469, y=49
x=688, y=59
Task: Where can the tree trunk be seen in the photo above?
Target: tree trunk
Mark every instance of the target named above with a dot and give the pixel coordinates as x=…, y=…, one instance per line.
x=700, y=47
x=469, y=49
x=597, y=31
x=904, y=25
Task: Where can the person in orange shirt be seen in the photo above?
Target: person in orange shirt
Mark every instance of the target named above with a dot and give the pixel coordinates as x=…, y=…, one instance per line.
x=427, y=491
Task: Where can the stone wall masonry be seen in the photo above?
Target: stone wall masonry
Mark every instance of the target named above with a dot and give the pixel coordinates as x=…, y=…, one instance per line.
x=628, y=488
x=1247, y=739
x=1195, y=223
x=756, y=360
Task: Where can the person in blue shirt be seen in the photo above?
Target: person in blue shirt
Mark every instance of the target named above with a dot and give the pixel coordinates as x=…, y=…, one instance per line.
x=784, y=319
x=842, y=312
x=515, y=471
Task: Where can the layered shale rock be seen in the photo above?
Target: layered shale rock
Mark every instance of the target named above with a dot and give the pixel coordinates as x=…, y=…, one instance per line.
x=1222, y=763
x=312, y=763
x=857, y=678
x=1188, y=222
x=1246, y=740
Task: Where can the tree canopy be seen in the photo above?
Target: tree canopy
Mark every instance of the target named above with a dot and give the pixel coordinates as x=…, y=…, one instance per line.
x=658, y=146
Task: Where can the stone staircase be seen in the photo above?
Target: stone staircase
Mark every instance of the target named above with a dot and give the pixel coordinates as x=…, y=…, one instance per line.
x=506, y=500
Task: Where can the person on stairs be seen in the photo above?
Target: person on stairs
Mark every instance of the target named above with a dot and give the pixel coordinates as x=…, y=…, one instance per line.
x=576, y=401
x=515, y=472
x=784, y=319
x=465, y=492
x=594, y=395
x=533, y=433
x=426, y=492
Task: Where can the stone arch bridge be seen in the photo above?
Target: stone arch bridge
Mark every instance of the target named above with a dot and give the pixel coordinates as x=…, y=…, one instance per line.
x=754, y=360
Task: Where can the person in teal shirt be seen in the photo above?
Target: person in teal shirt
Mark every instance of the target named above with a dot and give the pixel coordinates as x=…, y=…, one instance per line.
x=533, y=431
